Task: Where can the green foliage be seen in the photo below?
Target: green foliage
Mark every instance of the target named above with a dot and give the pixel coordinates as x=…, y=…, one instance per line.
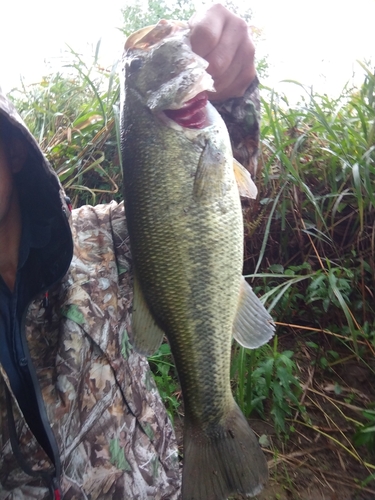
x=325, y=288
x=74, y=119
x=312, y=255
x=365, y=435
x=265, y=379
x=317, y=209
x=165, y=376
x=139, y=14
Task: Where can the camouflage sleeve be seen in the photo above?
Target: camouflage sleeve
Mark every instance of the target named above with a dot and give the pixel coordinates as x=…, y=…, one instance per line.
x=242, y=116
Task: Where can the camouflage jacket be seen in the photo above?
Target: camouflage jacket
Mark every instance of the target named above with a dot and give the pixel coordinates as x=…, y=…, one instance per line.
x=110, y=432
x=111, y=428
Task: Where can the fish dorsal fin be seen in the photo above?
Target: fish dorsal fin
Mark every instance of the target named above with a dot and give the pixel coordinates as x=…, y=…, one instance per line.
x=208, y=182
x=253, y=325
x=245, y=183
x=146, y=335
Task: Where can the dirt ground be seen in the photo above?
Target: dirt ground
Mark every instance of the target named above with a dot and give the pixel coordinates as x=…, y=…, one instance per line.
x=314, y=471
x=319, y=461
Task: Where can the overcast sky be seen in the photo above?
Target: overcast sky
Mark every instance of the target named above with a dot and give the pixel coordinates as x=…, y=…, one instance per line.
x=317, y=42
x=313, y=42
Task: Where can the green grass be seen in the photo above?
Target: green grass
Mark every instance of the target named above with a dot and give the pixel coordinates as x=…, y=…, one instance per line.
x=75, y=120
x=265, y=382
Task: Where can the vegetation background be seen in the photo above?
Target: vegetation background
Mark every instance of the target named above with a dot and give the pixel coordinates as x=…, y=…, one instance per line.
x=309, y=252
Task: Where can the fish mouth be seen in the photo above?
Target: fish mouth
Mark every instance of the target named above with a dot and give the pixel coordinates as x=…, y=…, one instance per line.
x=192, y=114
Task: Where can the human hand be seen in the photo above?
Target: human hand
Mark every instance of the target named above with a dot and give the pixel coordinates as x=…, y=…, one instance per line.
x=224, y=40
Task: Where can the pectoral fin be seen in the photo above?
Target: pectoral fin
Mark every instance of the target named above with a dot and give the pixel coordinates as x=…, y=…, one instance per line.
x=245, y=183
x=253, y=326
x=208, y=182
x=147, y=336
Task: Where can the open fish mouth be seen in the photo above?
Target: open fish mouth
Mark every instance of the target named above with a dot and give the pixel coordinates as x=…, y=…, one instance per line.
x=173, y=81
x=192, y=114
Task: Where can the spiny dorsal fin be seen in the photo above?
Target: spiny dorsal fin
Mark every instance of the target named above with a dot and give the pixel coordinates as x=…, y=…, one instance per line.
x=253, y=325
x=245, y=183
x=146, y=335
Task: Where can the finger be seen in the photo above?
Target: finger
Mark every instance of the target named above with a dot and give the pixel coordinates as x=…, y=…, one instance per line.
x=234, y=36
x=234, y=81
x=206, y=28
x=224, y=40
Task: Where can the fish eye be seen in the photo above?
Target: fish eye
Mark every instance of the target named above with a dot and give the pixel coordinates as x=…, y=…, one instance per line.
x=136, y=64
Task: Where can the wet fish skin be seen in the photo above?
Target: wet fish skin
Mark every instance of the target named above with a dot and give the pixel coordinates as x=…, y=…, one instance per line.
x=185, y=224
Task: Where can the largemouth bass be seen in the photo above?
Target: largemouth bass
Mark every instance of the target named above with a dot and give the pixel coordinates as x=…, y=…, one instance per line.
x=186, y=233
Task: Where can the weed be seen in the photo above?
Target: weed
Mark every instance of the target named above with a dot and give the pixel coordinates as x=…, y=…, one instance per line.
x=365, y=434
x=73, y=118
x=266, y=377
x=165, y=376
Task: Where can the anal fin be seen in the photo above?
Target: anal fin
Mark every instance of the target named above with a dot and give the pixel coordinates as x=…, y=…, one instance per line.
x=146, y=335
x=253, y=325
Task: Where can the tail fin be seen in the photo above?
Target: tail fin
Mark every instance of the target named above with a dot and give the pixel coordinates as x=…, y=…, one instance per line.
x=225, y=460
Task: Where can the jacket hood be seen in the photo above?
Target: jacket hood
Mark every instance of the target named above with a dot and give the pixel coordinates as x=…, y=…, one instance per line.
x=42, y=197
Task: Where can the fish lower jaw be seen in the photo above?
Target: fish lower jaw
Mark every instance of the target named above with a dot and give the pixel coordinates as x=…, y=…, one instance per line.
x=193, y=114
